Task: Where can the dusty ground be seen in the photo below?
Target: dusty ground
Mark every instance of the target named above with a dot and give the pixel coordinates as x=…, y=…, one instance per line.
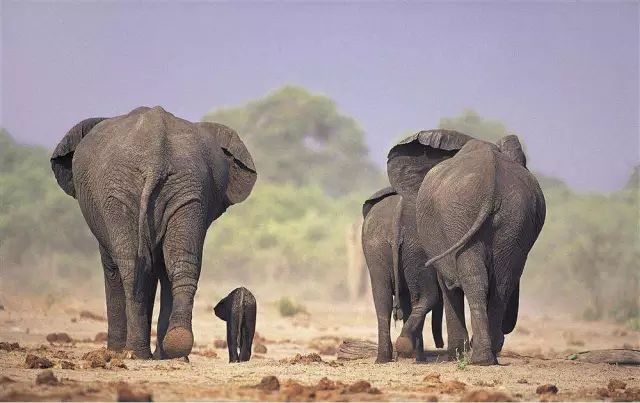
x=534, y=355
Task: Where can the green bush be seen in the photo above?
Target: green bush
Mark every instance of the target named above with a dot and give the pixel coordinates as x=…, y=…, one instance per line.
x=287, y=307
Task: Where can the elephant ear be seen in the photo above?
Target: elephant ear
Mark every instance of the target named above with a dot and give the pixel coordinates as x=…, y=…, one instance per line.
x=410, y=160
x=221, y=309
x=375, y=198
x=511, y=147
x=62, y=157
x=242, y=171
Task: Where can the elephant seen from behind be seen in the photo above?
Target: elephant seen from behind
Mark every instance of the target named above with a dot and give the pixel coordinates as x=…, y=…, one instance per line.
x=478, y=212
x=149, y=185
x=395, y=259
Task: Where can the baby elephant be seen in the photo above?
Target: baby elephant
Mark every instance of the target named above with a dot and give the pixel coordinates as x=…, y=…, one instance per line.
x=238, y=309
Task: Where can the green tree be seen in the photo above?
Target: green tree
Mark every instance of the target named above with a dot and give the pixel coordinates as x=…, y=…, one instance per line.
x=301, y=138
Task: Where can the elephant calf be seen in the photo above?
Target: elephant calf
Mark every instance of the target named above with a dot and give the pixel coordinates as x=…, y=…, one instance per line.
x=149, y=185
x=395, y=259
x=239, y=310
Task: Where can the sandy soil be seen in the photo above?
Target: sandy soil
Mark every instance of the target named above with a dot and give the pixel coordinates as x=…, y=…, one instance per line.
x=535, y=355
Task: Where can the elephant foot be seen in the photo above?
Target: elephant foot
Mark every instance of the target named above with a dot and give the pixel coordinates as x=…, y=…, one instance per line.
x=383, y=360
x=404, y=346
x=178, y=342
x=484, y=357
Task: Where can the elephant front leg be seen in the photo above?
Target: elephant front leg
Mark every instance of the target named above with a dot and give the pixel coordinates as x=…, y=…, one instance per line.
x=116, y=307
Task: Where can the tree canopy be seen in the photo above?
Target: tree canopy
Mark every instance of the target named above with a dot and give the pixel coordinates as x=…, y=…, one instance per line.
x=301, y=138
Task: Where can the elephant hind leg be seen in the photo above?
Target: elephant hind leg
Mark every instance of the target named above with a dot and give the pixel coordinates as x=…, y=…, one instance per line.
x=457, y=336
x=182, y=251
x=116, y=303
x=475, y=284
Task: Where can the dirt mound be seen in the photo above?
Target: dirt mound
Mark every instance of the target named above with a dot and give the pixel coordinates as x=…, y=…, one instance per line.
x=5, y=346
x=260, y=349
x=326, y=345
x=47, y=377
x=269, y=383
x=219, y=343
x=324, y=390
x=304, y=359
x=34, y=361
x=128, y=394
x=92, y=316
x=435, y=385
x=547, y=388
x=100, y=357
x=483, y=395
x=62, y=338
x=101, y=337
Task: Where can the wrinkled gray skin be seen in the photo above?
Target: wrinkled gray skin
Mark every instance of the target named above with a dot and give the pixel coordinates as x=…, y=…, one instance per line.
x=149, y=185
x=395, y=257
x=239, y=310
x=479, y=212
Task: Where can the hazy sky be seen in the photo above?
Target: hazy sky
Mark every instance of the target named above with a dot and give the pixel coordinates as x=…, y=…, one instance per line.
x=562, y=75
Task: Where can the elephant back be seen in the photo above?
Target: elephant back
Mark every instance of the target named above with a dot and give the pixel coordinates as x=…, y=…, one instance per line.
x=376, y=198
x=409, y=161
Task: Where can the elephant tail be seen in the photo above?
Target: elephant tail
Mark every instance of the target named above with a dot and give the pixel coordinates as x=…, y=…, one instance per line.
x=436, y=324
x=485, y=210
x=396, y=243
x=144, y=257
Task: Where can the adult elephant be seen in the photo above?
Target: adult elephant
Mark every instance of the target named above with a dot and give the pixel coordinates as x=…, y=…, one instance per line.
x=479, y=212
x=395, y=260
x=149, y=184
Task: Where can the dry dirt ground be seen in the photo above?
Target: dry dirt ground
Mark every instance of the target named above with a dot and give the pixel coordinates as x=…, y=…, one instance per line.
x=535, y=355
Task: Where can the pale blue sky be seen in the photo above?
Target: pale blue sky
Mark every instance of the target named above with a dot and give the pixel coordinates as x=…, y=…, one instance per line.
x=563, y=75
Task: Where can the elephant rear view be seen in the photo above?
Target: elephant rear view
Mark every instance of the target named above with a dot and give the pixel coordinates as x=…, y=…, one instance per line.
x=149, y=185
x=479, y=212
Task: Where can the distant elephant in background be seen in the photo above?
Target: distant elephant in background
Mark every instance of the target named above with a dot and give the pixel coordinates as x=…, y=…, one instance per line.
x=395, y=260
x=479, y=211
x=149, y=185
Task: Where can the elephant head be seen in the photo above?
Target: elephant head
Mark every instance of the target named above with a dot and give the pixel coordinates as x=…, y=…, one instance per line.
x=62, y=157
x=409, y=161
x=511, y=147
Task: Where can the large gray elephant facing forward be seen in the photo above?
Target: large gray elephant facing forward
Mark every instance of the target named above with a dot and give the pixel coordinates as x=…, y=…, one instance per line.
x=478, y=212
x=149, y=184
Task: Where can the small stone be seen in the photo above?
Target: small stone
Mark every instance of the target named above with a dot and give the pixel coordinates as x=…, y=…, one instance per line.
x=326, y=384
x=67, y=365
x=209, y=353
x=602, y=393
x=47, y=377
x=59, y=338
x=616, y=384
x=269, y=383
x=486, y=396
x=523, y=380
x=432, y=377
x=359, y=387
x=101, y=337
x=117, y=363
x=33, y=361
x=74, y=320
x=260, y=349
x=219, y=343
x=126, y=394
x=9, y=346
x=5, y=380
x=547, y=388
